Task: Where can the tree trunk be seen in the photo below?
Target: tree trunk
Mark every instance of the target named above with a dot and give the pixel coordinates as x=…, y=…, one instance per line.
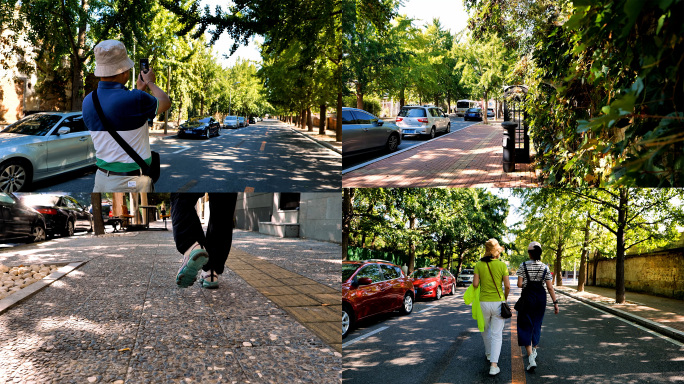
x=448, y=103
x=338, y=118
x=359, y=96
x=202, y=105
x=557, y=268
x=309, y=119
x=583, y=259
x=321, y=120
x=412, y=246
x=346, y=219
x=402, y=98
x=484, y=108
x=441, y=255
x=620, y=251
x=98, y=222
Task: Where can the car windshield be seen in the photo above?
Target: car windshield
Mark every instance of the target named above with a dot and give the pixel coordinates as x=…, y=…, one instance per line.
x=424, y=273
x=36, y=125
x=462, y=104
x=197, y=122
x=467, y=272
x=44, y=200
x=231, y=118
x=474, y=110
x=412, y=112
x=348, y=270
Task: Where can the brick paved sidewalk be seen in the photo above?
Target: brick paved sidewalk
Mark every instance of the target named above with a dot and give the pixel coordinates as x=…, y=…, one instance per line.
x=661, y=310
x=471, y=157
x=121, y=318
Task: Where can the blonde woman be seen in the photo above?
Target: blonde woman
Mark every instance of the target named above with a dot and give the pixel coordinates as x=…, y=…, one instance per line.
x=490, y=272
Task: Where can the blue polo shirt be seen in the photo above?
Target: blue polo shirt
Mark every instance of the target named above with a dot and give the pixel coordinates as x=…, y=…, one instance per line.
x=128, y=112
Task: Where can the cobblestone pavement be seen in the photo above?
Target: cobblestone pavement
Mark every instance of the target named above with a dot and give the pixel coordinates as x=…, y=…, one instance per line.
x=469, y=158
x=121, y=318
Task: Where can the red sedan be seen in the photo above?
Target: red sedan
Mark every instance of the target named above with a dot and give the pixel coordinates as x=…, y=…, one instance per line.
x=370, y=287
x=433, y=282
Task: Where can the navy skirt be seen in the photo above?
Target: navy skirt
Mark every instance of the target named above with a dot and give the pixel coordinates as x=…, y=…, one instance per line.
x=530, y=319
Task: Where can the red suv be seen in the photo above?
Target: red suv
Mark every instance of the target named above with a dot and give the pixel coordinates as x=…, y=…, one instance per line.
x=370, y=287
x=433, y=282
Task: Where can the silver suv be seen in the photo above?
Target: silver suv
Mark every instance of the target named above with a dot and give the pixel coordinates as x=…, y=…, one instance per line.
x=422, y=120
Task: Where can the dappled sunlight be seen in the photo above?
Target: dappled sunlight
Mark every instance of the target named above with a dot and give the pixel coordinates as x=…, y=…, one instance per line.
x=412, y=358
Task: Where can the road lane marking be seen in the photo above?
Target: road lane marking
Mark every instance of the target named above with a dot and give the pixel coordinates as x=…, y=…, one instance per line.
x=263, y=145
x=428, y=308
x=181, y=150
x=249, y=189
x=518, y=377
x=673, y=341
x=369, y=334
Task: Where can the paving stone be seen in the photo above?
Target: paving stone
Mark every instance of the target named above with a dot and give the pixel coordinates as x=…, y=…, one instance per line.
x=72, y=367
x=267, y=330
x=200, y=365
x=277, y=364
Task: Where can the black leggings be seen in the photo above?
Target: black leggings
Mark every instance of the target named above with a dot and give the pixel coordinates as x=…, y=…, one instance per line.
x=187, y=228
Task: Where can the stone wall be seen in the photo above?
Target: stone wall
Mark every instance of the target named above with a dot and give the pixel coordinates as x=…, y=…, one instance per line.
x=659, y=273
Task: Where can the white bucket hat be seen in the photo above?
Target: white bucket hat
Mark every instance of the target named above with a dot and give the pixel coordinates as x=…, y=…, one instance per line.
x=111, y=58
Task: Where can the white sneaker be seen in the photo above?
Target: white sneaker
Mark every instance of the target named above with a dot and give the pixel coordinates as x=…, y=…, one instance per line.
x=533, y=363
x=493, y=371
x=534, y=353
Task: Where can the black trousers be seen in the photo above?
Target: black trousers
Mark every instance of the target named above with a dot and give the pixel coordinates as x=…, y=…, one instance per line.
x=187, y=228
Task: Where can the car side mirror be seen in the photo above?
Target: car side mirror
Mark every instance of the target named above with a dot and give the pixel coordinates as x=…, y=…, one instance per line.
x=63, y=130
x=379, y=123
x=364, y=281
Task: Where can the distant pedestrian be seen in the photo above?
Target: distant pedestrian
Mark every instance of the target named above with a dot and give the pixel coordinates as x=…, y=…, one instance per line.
x=207, y=252
x=490, y=273
x=125, y=112
x=531, y=274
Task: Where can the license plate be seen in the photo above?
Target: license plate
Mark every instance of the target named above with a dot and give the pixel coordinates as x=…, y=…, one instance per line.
x=409, y=131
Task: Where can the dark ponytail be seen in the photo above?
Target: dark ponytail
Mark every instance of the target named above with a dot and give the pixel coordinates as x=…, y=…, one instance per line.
x=535, y=253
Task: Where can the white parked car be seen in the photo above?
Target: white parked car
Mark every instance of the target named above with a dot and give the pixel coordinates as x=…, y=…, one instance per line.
x=422, y=120
x=465, y=277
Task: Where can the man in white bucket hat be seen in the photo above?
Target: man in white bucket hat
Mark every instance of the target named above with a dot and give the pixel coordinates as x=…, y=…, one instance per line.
x=127, y=112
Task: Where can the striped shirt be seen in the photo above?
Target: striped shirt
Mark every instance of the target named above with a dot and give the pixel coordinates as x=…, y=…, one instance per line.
x=537, y=270
x=128, y=112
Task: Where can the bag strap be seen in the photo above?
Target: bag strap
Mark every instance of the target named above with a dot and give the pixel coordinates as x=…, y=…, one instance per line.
x=126, y=147
x=497, y=288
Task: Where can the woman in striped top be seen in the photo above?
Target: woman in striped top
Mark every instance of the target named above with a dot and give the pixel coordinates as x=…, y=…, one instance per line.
x=531, y=276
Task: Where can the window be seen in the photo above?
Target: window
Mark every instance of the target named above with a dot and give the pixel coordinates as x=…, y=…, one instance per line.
x=412, y=112
x=390, y=273
x=5, y=198
x=348, y=118
x=372, y=271
x=363, y=117
x=288, y=201
x=75, y=124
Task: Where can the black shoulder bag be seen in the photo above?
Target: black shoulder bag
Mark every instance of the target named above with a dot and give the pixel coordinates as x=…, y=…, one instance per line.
x=505, y=309
x=153, y=170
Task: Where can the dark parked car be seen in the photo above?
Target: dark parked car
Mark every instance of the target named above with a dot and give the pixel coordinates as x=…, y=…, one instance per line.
x=205, y=127
x=19, y=222
x=241, y=122
x=473, y=114
x=370, y=287
x=252, y=120
x=63, y=214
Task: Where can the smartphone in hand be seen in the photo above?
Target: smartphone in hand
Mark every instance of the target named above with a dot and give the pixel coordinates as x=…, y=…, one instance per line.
x=144, y=65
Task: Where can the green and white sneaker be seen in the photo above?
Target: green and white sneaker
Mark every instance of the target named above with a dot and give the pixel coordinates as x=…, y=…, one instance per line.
x=193, y=260
x=209, y=279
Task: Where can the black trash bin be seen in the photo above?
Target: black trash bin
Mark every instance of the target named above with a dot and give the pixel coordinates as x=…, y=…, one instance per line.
x=509, y=128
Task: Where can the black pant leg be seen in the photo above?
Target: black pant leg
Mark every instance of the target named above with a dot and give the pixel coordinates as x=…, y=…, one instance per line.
x=220, y=229
x=187, y=228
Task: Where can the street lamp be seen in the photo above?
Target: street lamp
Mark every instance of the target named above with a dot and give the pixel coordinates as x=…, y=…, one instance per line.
x=230, y=107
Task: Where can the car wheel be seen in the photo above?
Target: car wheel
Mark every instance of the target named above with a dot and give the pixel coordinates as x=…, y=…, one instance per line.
x=69, y=230
x=347, y=321
x=392, y=143
x=206, y=134
x=37, y=234
x=453, y=289
x=432, y=134
x=448, y=128
x=407, y=308
x=14, y=176
x=438, y=295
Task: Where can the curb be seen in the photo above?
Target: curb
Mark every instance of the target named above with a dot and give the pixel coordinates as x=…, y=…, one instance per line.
x=15, y=299
x=652, y=325
x=323, y=143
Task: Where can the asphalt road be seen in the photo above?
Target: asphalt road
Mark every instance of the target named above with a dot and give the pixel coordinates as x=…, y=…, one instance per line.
x=457, y=124
x=264, y=157
x=440, y=343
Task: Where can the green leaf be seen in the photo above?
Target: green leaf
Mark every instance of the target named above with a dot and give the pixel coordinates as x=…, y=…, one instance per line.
x=661, y=21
